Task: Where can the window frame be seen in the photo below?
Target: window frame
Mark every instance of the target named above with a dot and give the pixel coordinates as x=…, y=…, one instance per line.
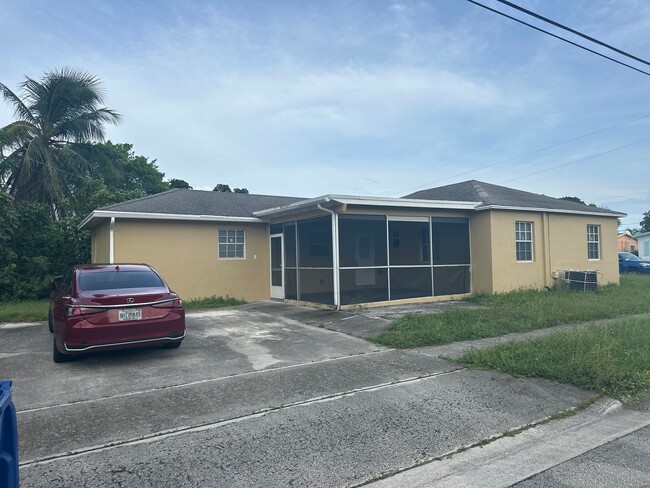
x=590, y=234
x=518, y=232
x=220, y=244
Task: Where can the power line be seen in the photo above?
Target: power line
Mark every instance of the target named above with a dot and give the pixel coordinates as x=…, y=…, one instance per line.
x=558, y=37
x=573, y=31
x=576, y=161
x=491, y=165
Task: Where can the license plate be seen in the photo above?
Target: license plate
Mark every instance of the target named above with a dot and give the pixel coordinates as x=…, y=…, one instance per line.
x=131, y=314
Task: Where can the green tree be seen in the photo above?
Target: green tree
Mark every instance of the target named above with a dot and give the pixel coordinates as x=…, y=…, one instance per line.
x=49, y=146
x=176, y=183
x=222, y=188
x=645, y=222
x=573, y=199
x=8, y=224
x=132, y=172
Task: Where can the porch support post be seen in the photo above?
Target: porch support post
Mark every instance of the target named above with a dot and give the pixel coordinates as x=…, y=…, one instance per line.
x=111, y=241
x=335, y=254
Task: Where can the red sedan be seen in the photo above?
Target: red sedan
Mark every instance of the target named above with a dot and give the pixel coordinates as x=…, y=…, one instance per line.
x=113, y=306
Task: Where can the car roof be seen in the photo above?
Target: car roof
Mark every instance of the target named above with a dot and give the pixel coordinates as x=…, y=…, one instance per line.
x=105, y=267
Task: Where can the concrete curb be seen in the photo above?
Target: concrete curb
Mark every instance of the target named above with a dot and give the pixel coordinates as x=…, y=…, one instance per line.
x=509, y=460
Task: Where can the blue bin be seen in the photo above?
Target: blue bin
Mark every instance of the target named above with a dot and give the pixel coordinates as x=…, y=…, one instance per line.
x=8, y=438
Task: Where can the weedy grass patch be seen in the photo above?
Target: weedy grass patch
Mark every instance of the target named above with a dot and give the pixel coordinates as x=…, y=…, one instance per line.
x=519, y=311
x=211, y=302
x=612, y=359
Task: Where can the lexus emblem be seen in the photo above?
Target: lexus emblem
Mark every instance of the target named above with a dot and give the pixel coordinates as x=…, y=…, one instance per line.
x=129, y=300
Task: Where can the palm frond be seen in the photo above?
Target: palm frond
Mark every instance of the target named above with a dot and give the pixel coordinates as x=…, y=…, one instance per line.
x=20, y=109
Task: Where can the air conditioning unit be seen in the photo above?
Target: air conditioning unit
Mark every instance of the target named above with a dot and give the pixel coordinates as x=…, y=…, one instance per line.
x=581, y=280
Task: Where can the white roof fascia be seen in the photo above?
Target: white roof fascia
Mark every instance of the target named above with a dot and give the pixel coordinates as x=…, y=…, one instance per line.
x=292, y=206
x=405, y=202
x=552, y=210
x=373, y=202
x=164, y=216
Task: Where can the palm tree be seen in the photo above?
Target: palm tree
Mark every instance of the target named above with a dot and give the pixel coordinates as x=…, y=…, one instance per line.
x=49, y=147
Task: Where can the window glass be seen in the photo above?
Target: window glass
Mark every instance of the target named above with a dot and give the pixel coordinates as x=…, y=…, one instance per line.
x=362, y=241
x=231, y=244
x=450, y=240
x=524, y=241
x=593, y=241
x=113, y=280
x=276, y=229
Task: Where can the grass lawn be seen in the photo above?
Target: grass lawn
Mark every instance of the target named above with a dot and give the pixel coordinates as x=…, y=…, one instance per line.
x=612, y=359
x=36, y=310
x=519, y=311
x=25, y=311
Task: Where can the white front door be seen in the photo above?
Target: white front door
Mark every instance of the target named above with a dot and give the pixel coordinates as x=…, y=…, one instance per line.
x=277, y=266
x=365, y=256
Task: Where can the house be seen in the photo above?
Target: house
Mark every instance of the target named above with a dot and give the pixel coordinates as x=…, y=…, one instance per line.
x=341, y=250
x=627, y=242
x=643, y=240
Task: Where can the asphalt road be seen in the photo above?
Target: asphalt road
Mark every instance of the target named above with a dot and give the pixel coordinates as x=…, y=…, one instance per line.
x=254, y=397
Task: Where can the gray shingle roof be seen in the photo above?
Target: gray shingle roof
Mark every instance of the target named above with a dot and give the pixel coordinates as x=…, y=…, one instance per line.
x=196, y=202
x=495, y=195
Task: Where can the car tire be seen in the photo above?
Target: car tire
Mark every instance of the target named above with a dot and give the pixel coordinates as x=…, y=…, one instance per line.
x=632, y=270
x=172, y=345
x=50, y=324
x=57, y=356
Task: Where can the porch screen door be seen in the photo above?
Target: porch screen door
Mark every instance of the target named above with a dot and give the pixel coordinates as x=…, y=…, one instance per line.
x=277, y=266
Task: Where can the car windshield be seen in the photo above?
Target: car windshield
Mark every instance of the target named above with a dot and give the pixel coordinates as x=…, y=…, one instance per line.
x=111, y=280
x=630, y=257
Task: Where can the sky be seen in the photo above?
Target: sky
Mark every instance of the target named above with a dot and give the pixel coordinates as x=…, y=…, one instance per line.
x=379, y=98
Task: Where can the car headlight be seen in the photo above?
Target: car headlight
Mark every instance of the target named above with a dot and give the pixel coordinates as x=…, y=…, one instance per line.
x=645, y=265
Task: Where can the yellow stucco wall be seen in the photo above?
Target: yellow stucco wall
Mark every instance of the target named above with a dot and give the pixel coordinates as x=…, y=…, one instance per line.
x=568, y=238
x=186, y=255
x=99, y=243
x=481, y=249
x=559, y=242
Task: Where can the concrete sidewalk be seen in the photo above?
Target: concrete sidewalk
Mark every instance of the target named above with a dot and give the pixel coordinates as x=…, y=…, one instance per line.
x=508, y=461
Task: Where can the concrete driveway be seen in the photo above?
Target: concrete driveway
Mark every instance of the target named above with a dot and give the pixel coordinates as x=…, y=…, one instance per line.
x=259, y=395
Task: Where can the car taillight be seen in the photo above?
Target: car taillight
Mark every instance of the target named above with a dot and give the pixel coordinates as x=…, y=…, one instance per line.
x=177, y=303
x=76, y=311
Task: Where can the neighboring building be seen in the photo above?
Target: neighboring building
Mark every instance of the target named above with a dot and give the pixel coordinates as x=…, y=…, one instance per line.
x=627, y=243
x=344, y=250
x=643, y=240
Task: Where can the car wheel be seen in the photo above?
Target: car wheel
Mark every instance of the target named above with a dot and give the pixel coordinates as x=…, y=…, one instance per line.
x=632, y=270
x=172, y=345
x=50, y=325
x=57, y=356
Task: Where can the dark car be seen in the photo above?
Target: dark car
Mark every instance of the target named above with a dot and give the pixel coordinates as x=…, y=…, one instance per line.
x=102, y=307
x=631, y=263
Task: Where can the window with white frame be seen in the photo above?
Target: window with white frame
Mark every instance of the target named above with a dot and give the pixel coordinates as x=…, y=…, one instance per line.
x=232, y=244
x=524, y=241
x=593, y=241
